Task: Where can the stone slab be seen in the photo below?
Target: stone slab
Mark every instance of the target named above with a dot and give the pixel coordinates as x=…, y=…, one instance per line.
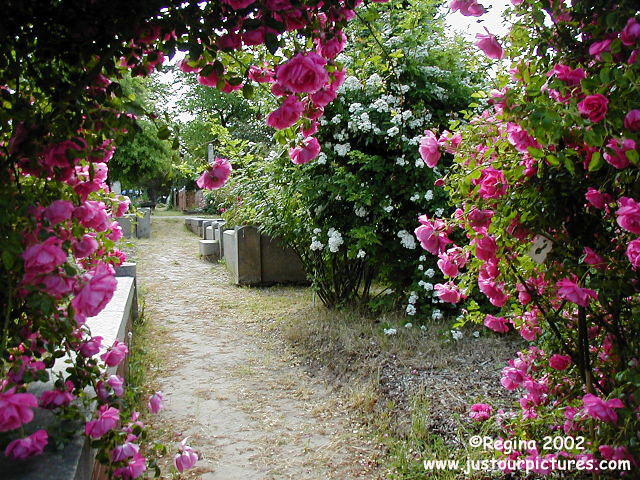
x=143, y=225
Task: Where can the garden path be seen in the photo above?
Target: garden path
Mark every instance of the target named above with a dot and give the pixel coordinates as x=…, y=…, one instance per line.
x=229, y=385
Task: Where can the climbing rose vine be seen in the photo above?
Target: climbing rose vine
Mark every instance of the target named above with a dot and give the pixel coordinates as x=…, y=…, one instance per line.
x=547, y=225
x=62, y=115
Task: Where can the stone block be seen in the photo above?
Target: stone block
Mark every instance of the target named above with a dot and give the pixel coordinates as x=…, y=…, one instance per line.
x=279, y=264
x=208, y=234
x=128, y=225
x=209, y=249
x=127, y=269
x=143, y=225
x=248, y=256
x=230, y=255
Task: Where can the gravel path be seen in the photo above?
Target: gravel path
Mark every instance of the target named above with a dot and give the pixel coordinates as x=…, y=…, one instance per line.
x=229, y=385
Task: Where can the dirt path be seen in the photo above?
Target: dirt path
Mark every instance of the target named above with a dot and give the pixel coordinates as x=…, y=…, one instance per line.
x=229, y=385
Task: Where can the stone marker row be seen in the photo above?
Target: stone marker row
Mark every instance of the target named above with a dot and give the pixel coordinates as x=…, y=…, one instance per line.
x=251, y=257
x=134, y=226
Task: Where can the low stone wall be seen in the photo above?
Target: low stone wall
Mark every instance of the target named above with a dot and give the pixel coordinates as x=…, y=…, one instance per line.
x=76, y=461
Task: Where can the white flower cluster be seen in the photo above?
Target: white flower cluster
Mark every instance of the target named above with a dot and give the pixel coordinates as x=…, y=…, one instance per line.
x=351, y=83
x=430, y=272
x=315, y=243
x=401, y=161
x=361, y=254
x=342, y=149
x=411, y=309
x=429, y=195
x=456, y=334
x=361, y=212
x=335, y=240
x=374, y=80
x=407, y=240
x=426, y=285
x=322, y=158
x=388, y=208
x=415, y=197
x=390, y=331
x=437, y=314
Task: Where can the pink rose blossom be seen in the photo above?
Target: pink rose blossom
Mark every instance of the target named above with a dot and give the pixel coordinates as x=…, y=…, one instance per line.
x=494, y=291
x=633, y=253
x=592, y=258
x=86, y=246
x=630, y=33
x=57, y=398
x=58, y=285
x=480, y=219
x=596, y=198
x=210, y=80
x=304, y=73
x=44, y=257
x=286, y=114
x=512, y=378
x=486, y=247
x=432, y=234
x=91, y=347
x=497, y=324
x=122, y=207
x=94, y=295
x=519, y=138
x=116, y=383
x=115, y=354
x=216, y=174
x=92, y=214
x=238, y=4
x=480, y=412
x=619, y=147
x=155, y=402
x=468, y=8
x=450, y=141
x=493, y=183
x=15, y=409
x=135, y=467
x=448, y=292
x=305, y=153
x=628, y=215
x=126, y=450
x=186, y=458
x=594, y=107
x=598, y=48
x=333, y=46
x=56, y=155
x=452, y=260
x=429, y=149
x=632, y=120
x=489, y=45
x=27, y=447
x=108, y=418
x=323, y=97
x=559, y=362
x=58, y=211
x=600, y=409
x=184, y=66
x=261, y=74
x=568, y=75
x=569, y=290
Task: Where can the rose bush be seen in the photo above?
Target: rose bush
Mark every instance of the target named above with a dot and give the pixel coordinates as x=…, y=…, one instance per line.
x=551, y=168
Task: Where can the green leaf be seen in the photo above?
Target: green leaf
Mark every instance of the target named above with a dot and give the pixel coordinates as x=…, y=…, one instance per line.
x=164, y=132
x=632, y=156
x=8, y=259
x=569, y=165
x=596, y=162
x=248, y=91
x=535, y=152
x=553, y=160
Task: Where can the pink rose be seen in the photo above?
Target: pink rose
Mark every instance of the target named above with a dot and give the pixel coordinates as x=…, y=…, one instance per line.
x=450, y=141
x=323, y=97
x=108, y=418
x=184, y=66
x=304, y=73
x=126, y=450
x=479, y=219
x=115, y=354
x=261, y=75
x=519, y=138
x=452, y=260
x=628, y=215
x=85, y=246
x=568, y=75
x=44, y=257
x=633, y=253
x=489, y=45
x=210, y=80
x=332, y=47
x=91, y=347
x=448, y=292
x=569, y=290
x=494, y=291
x=116, y=232
x=56, y=155
x=493, y=183
x=57, y=398
x=432, y=234
x=632, y=120
x=116, y=383
x=486, y=247
x=512, y=378
x=597, y=48
x=230, y=41
x=596, y=198
x=480, y=412
x=58, y=211
x=92, y=214
x=594, y=107
x=619, y=158
x=238, y=4
x=497, y=324
x=559, y=362
x=186, y=458
x=155, y=402
x=592, y=258
x=286, y=114
x=429, y=149
x=630, y=33
x=96, y=292
x=305, y=153
x=27, y=447
x=468, y=8
x=122, y=206
x=134, y=468
x=216, y=174
x=15, y=409
x=58, y=285
x=600, y=409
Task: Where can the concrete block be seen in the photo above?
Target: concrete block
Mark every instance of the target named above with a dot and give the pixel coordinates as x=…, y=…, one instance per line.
x=143, y=225
x=209, y=249
x=230, y=255
x=127, y=269
x=249, y=258
x=279, y=264
x=208, y=234
x=128, y=225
